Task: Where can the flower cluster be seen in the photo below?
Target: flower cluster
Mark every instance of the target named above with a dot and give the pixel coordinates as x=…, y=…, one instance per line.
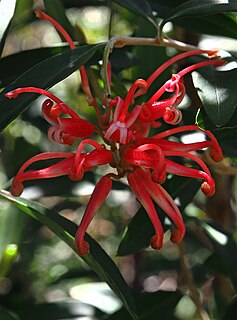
x=124, y=127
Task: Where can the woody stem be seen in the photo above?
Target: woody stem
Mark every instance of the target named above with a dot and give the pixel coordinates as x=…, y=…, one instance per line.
x=120, y=41
x=189, y=281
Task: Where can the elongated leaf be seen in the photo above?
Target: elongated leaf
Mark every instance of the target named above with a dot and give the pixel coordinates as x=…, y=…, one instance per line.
x=140, y=7
x=225, y=135
x=193, y=8
x=7, y=314
x=43, y=75
x=69, y=309
x=16, y=64
x=151, y=305
x=224, y=256
x=7, y=8
x=218, y=24
x=140, y=229
x=217, y=90
x=65, y=229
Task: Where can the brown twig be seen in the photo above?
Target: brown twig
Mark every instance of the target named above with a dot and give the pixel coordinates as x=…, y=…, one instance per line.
x=223, y=167
x=119, y=41
x=193, y=292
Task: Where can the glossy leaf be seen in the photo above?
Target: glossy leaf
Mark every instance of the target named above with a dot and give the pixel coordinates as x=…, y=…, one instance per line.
x=224, y=256
x=7, y=8
x=218, y=24
x=44, y=75
x=7, y=314
x=139, y=7
x=140, y=230
x=65, y=229
x=151, y=305
x=217, y=90
x=14, y=65
x=69, y=309
x=194, y=8
x=226, y=135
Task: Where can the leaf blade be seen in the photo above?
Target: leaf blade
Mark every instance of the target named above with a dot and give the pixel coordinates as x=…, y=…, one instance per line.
x=216, y=89
x=13, y=66
x=139, y=7
x=194, y=8
x=65, y=229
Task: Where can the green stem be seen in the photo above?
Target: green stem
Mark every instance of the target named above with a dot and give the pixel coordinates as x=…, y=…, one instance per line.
x=161, y=33
x=110, y=5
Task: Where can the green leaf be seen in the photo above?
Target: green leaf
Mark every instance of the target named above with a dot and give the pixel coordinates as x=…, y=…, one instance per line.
x=217, y=90
x=69, y=309
x=194, y=8
x=225, y=135
x=151, y=305
x=8, y=257
x=139, y=7
x=44, y=75
x=65, y=229
x=56, y=10
x=218, y=24
x=16, y=64
x=7, y=8
x=7, y=315
x=140, y=229
x=224, y=256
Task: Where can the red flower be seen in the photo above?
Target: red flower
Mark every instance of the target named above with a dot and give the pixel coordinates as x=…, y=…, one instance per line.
x=124, y=127
x=72, y=164
x=63, y=130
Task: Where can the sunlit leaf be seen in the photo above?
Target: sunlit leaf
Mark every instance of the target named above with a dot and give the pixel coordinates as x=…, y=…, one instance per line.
x=8, y=256
x=218, y=24
x=194, y=8
x=217, y=90
x=224, y=254
x=65, y=229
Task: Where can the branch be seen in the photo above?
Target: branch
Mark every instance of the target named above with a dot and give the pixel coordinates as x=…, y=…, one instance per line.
x=119, y=41
x=192, y=288
x=223, y=167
